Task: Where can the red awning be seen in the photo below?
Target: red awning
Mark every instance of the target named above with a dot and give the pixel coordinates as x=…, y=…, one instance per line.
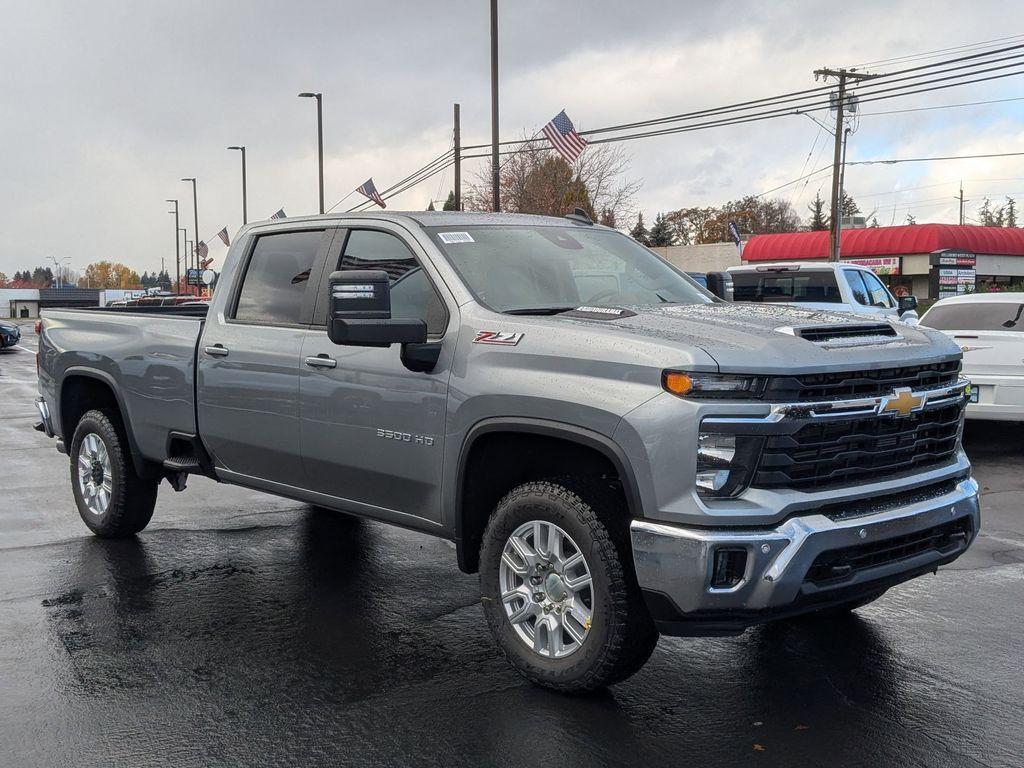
x=887, y=241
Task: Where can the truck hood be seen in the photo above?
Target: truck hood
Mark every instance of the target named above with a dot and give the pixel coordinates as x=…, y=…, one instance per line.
x=758, y=338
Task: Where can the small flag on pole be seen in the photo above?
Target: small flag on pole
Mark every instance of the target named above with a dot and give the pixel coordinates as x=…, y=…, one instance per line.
x=734, y=234
x=223, y=235
x=369, y=190
x=563, y=137
x=203, y=250
x=279, y=214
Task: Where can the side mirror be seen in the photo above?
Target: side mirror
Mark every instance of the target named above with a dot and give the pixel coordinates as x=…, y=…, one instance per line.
x=359, y=312
x=720, y=284
x=907, y=304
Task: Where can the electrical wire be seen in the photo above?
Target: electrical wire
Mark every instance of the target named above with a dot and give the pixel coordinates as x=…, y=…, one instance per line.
x=933, y=159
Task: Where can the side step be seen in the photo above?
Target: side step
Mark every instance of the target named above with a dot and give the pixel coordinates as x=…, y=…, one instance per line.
x=183, y=464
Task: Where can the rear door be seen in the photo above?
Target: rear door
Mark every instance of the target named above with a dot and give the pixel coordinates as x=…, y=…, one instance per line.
x=372, y=430
x=249, y=358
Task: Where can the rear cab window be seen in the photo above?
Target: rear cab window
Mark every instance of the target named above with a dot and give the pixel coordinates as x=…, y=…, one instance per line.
x=976, y=316
x=796, y=286
x=276, y=278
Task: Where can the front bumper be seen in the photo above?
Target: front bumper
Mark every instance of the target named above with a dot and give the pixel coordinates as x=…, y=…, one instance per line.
x=674, y=564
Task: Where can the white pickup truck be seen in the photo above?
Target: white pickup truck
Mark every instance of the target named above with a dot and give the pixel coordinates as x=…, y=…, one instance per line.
x=837, y=287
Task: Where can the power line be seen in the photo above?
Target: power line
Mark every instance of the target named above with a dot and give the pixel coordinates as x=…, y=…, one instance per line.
x=938, y=52
x=933, y=159
x=943, y=106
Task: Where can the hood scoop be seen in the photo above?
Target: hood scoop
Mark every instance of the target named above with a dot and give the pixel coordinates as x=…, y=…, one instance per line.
x=850, y=335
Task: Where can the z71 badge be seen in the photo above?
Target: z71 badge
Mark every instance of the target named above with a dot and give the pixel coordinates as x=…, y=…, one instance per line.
x=498, y=337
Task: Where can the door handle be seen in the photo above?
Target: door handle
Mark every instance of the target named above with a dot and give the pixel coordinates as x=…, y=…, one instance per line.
x=216, y=350
x=321, y=361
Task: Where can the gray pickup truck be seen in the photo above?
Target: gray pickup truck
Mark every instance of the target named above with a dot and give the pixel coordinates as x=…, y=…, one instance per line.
x=615, y=450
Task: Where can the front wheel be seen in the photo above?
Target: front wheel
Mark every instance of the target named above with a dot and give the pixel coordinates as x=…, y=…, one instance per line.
x=111, y=498
x=559, y=590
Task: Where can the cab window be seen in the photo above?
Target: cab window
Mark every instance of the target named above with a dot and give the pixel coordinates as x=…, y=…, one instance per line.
x=877, y=293
x=276, y=277
x=412, y=293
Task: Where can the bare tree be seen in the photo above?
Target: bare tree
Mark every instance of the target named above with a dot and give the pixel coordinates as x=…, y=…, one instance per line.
x=535, y=179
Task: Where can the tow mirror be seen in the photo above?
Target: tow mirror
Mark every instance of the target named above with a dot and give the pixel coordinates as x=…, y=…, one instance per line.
x=359, y=312
x=720, y=284
x=907, y=304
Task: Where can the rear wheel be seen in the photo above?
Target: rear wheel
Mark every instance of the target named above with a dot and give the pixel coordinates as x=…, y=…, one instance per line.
x=112, y=499
x=560, y=594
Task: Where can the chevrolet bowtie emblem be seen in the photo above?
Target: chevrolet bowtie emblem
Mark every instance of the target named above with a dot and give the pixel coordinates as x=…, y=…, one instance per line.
x=901, y=402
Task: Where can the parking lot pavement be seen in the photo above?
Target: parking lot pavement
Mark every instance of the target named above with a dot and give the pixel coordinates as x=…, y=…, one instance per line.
x=240, y=629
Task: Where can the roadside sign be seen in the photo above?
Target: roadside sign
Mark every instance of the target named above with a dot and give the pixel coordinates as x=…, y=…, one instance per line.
x=192, y=277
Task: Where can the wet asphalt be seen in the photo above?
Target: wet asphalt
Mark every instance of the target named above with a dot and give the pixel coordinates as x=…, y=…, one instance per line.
x=241, y=629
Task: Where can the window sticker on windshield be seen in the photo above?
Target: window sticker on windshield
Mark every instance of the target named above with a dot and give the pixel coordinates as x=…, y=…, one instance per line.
x=452, y=238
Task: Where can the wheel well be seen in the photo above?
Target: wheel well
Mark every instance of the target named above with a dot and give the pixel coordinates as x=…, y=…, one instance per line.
x=500, y=461
x=79, y=394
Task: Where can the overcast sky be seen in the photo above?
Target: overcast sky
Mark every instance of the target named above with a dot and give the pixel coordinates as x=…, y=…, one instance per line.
x=105, y=105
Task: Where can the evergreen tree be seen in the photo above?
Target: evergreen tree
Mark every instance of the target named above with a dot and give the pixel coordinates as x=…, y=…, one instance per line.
x=607, y=217
x=819, y=218
x=849, y=206
x=874, y=222
x=990, y=216
x=431, y=207
x=1010, y=211
x=661, y=233
x=145, y=280
x=163, y=281
x=639, y=231
x=449, y=204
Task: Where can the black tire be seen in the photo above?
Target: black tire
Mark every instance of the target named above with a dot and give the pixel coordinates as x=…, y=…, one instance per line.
x=132, y=498
x=622, y=635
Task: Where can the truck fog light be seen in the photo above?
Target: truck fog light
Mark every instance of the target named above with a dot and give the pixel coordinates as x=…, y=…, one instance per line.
x=712, y=479
x=729, y=568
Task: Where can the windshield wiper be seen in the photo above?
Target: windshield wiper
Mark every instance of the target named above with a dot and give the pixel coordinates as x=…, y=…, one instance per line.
x=538, y=310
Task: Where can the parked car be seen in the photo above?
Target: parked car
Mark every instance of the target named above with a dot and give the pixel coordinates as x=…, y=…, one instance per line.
x=10, y=335
x=821, y=285
x=613, y=449
x=989, y=327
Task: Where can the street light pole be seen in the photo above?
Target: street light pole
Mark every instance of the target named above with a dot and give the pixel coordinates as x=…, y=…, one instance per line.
x=195, y=220
x=177, y=246
x=495, y=170
x=184, y=239
x=319, y=138
x=245, y=212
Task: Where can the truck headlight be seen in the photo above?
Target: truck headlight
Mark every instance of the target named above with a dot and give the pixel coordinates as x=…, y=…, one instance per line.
x=725, y=463
x=712, y=385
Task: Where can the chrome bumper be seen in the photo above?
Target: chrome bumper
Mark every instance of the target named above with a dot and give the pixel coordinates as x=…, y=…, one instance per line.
x=46, y=425
x=677, y=561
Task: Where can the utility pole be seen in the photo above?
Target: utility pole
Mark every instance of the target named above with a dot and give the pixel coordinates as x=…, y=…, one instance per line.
x=245, y=210
x=177, y=246
x=319, y=137
x=495, y=169
x=458, y=162
x=843, y=75
x=960, y=197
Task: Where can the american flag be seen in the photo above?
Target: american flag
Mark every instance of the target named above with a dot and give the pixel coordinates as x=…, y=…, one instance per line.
x=203, y=250
x=279, y=214
x=563, y=137
x=369, y=190
x=223, y=235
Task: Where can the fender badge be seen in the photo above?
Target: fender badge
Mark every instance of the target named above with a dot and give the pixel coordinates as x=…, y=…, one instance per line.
x=504, y=338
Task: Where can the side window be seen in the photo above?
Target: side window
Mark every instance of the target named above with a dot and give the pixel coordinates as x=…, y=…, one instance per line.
x=857, y=287
x=878, y=293
x=276, y=278
x=412, y=294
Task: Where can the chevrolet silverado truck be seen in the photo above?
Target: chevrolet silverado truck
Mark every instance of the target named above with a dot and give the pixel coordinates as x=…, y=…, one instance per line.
x=614, y=450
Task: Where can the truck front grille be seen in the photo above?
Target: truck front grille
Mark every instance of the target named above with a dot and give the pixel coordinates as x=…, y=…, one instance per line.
x=828, y=453
x=836, y=385
x=838, y=565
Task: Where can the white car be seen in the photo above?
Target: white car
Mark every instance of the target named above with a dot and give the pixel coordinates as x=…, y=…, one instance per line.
x=837, y=287
x=989, y=327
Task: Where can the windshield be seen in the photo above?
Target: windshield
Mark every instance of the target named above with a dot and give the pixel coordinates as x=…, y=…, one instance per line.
x=798, y=286
x=523, y=268
x=977, y=316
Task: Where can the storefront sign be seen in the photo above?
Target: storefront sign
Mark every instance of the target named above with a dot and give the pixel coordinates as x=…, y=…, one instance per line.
x=886, y=265
x=952, y=272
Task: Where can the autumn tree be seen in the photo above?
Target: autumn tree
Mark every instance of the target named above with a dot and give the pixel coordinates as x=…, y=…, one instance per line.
x=536, y=179
x=105, y=274
x=753, y=214
x=639, y=231
x=661, y=233
x=3, y=280
x=819, y=218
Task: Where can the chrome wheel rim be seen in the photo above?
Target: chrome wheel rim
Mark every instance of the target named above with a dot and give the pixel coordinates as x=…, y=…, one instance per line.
x=546, y=589
x=95, y=474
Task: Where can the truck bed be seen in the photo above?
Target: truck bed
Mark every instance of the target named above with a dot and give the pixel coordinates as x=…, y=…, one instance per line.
x=147, y=355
